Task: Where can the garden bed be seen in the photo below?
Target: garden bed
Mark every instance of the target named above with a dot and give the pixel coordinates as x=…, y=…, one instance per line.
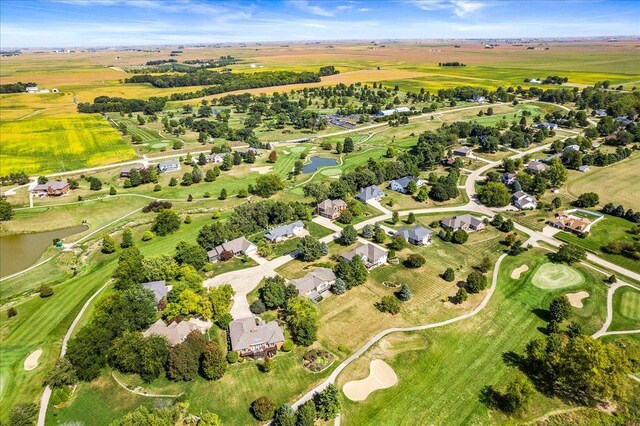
x=317, y=360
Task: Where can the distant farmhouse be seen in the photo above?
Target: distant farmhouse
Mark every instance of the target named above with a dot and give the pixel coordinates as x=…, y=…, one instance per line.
x=547, y=126
x=536, y=167
x=463, y=151
x=53, y=188
x=168, y=166
x=125, y=172
x=252, y=337
x=466, y=222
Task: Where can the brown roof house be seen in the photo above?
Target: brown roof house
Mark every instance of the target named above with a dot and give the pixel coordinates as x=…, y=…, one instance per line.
x=373, y=256
x=466, y=222
x=238, y=246
x=125, y=172
x=252, y=337
x=315, y=283
x=536, y=167
x=331, y=209
x=53, y=188
x=175, y=332
x=570, y=223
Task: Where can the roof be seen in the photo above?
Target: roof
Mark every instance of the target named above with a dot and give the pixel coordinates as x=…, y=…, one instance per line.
x=283, y=231
x=159, y=289
x=137, y=166
x=313, y=280
x=52, y=184
x=463, y=149
x=369, y=193
x=247, y=332
x=537, y=165
x=574, y=223
x=583, y=168
x=332, y=206
x=239, y=245
x=169, y=163
x=460, y=221
x=403, y=182
x=521, y=198
x=417, y=233
x=174, y=332
x=369, y=251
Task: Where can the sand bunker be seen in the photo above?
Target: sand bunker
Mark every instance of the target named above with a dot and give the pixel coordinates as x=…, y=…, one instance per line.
x=262, y=170
x=518, y=272
x=381, y=376
x=575, y=299
x=32, y=360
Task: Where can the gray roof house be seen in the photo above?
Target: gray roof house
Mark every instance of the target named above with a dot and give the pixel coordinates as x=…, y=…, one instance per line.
x=370, y=193
x=159, y=289
x=169, y=166
x=238, y=246
x=252, y=337
x=372, y=255
x=285, y=231
x=624, y=120
x=175, y=332
x=536, y=167
x=523, y=201
x=388, y=112
x=508, y=178
x=601, y=113
x=400, y=185
x=417, y=235
x=463, y=151
x=547, y=126
x=315, y=282
x=465, y=222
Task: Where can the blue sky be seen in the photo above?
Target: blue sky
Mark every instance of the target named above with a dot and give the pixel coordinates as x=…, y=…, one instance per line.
x=62, y=23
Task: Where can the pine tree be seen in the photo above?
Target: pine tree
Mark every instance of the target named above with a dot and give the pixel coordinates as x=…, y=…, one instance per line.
x=404, y=293
x=127, y=238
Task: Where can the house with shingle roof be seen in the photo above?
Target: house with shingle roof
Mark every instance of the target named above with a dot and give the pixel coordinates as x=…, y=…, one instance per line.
x=315, y=283
x=463, y=151
x=331, y=209
x=418, y=235
x=159, y=289
x=401, y=184
x=523, y=201
x=53, y=188
x=373, y=256
x=252, y=337
x=283, y=232
x=370, y=193
x=176, y=332
x=571, y=223
x=125, y=172
x=466, y=222
x=238, y=246
x=536, y=167
x=168, y=166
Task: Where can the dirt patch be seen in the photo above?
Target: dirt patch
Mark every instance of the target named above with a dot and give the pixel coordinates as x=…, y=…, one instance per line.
x=518, y=272
x=381, y=376
x=575, y=299
x=262, y=170
x=32, y=360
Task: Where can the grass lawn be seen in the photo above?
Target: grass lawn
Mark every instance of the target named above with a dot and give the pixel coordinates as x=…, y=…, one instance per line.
x=441, y=371
x=626, y=309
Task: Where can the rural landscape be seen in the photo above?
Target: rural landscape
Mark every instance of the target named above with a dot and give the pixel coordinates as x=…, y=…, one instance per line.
x=362, y=230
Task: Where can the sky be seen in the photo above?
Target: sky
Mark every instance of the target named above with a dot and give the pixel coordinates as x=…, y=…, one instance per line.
x=83, y=23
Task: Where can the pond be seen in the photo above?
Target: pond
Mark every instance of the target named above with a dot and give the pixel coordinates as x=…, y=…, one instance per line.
x=317, y=162
x=19, y=251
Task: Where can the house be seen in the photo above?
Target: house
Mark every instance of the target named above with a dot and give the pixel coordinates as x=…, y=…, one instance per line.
x=477, y=99
x=388, y=112
x=573, y=147
x=466, y=222
x=211, y=158
x=370, y=193
x=508, y=178
x=552, y=156
x=331, y=209
x=373, y=256
x=547, y=126
x=536, y=167
x=285, y=231
x=168, y=166
x=624, y=121
x=32, y=89
x=523, y=201
x=238, y=246
x=401, y=184
x=601, y=113
x=448, y=162
x=245, y=152
x=176, y=332
x=53, y=188
x=463, y=151
x=570, y=223
x=252, y=337
x=417, y=235
x=583, y=169
x=315, y=283
x=159, y=289
x=125, y=172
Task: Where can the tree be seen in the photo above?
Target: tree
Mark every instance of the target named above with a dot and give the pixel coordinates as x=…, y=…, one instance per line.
x=297, y=167
x=173, y=181
x=183, y=360
x=327, y=402
x=404, y=294
x=267, y=185
x=449, y=275
x=414, y=260
x=389, y=304
x=587, y=199
x=494, y=194
x=6, y=211
x=112, y=191
x=411, y=218
x=476, y=282
x=45, y=291
x=166, y=222
x=108, y=244
x=307, y=413
x=257, y=307
x=398, y=242
x=63, y=374
x=570, y=253
x=461, y=296
x=557, y=173
x=348, y=236
x=24, y=414
x=412, y=187
x=367, y=232
x=559, y=309
x=214, y=362
x=485, y=264
x=272, y=292
x=284, y=416
x=309, y=249
x=223, y=194
x=339, y=147
x=324, y=248
x=379, y=236
x=459, y=236
x=127, y=238
x=209, y=419
x=191, y=254
x=132, y=353
x=339, y=286
x=395, y=217
x=263, y=408
x=273, y=156
x=302, y=316
x=514, y=399
x=348, y=145
x=345, y=217
x=130, y=270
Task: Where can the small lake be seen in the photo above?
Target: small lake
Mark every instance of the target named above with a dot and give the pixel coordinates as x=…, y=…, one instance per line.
x=317, y=162
x=19, y=251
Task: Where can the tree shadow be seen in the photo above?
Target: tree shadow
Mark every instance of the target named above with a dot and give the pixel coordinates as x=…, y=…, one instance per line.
x=543, y=314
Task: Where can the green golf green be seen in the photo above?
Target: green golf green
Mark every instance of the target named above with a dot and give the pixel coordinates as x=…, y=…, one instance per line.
x=552, y=276
x=160, y=145
x=331, y=172
x=630, y=305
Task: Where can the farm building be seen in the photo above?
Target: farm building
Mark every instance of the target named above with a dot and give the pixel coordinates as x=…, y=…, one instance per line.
x=234, y=247
x=252, y=337
x=417, y=235
x=168, y=166
x=466, y=222
x=53, y=188
x=284, y=232
x=370, y=193
x=401, y=184
x=373, y=256
x=331, y=209
x=315, y=283
x=523, y=201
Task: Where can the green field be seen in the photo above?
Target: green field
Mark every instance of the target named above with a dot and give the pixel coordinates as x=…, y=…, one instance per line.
x=626, y=309
x=46, y=145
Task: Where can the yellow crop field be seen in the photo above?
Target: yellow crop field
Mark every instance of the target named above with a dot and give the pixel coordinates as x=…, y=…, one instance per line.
x=42, y=144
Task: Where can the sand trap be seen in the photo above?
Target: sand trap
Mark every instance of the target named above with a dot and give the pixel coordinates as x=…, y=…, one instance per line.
x=262, y=170
x=575, y=299
x=518, y=272
x=32, y=360
x=381, y=376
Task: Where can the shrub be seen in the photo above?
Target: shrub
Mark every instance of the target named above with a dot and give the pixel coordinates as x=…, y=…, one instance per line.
x=461, y=296
x=148, y=235
x=157, y=188
x=263, y=408
x=339, y=287
x=414, y=261
x=156, y=206
x=459, y=237
x=404, y=293
x=449, y=275
x=12, y=312
x=232, y=357
x=389, y=304
x=257, y=307
x=287, y=346
x=46, y=291
x=476, y=282
x=226, y=255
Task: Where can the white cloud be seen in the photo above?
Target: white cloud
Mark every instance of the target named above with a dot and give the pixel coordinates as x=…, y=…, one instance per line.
x=460, y=8
x=305, y=6
x=464, y=7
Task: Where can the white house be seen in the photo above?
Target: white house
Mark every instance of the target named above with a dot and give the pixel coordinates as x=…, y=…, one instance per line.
x=168, y=166
x=417, y=235
x=284, y=232
x=583, y=169
x=523, y=201
x=315, y=283
x=372, y=256
x=370, y=193
x=234, y=247
x=401, y=184
x=388, y=112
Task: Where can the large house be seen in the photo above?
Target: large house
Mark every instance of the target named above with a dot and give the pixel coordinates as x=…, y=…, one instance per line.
x=125, y=172
x=388, y=112
x=466, y=222
x=463, y=151
x=417, y=235
x=234, y=247
x=175, y=332
x=159, y=289
x=211, y=158
x=570, y=223
x=251, y=337
x=508, y=178
x=401, y=184
x=285, y=231
x=372, y=255
x=331, y=209
x=523, y=201
x=53, y=188
x=168, y=166
x=536, y=167
x=315, y=283
x=370, y=193
x=547, y=126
